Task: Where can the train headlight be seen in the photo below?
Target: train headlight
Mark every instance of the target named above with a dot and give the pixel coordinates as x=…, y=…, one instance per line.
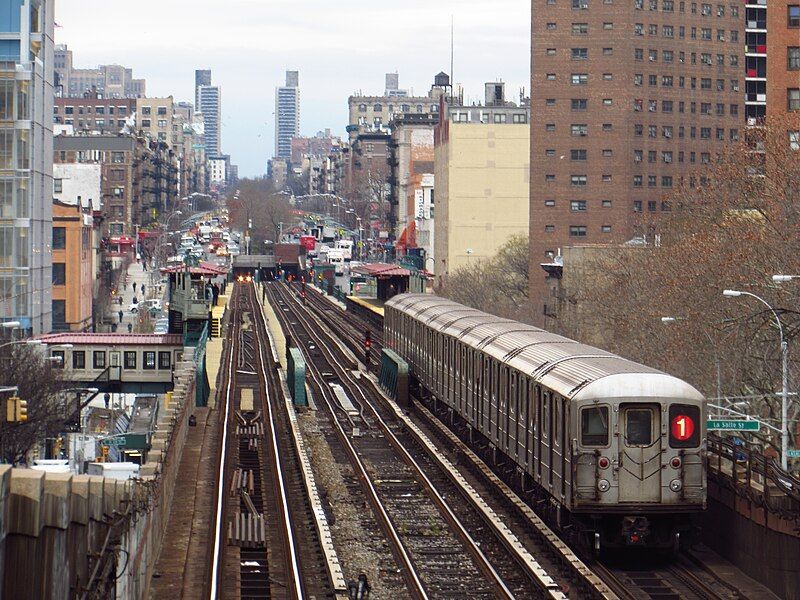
x=603, y=485
x=675, y=485
x=603, y=462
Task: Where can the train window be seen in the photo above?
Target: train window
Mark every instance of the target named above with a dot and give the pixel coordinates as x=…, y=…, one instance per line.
x=594, y=426
x=638, y=426
x=684, y=426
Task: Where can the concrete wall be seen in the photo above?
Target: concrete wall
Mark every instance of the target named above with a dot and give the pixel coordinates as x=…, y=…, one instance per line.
x=766, y=551
x=52, y=526
x=482, y=173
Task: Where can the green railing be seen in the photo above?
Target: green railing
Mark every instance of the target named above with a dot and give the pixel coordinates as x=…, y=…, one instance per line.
x=202, y=389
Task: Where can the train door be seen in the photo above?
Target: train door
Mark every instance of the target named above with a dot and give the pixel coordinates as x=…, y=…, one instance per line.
x=639, y=454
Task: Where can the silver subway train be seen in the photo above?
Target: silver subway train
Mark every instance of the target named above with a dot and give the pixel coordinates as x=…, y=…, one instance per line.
x=613, y=450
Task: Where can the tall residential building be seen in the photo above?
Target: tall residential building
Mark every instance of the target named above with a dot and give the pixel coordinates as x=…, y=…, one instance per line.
x=481, y=168
x=210, y=106
x=772, y=47
x=630, y=98
x=26, y=163
x=201, y=77
x=109, y=81
x=287, y=115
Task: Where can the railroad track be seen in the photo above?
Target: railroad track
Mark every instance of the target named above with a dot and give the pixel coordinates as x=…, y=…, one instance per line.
x=663, y=580
x=443, y=546
x=266, y=544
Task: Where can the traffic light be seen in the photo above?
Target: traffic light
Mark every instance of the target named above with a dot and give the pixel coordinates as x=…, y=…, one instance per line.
x=22, y=410
x=367, y=346
x=16, y=410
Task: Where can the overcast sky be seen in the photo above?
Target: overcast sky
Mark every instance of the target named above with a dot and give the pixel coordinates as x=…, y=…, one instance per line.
x=339, y=47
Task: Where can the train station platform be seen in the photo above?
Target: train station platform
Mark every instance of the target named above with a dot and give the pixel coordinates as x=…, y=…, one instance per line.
x=371, y=309
x=182, y=567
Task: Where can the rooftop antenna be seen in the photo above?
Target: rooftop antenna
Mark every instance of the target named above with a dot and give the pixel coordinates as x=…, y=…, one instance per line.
x=452, y=51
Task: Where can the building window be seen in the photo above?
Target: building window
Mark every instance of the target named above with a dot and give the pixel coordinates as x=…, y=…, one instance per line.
x=551, y=77
x=579, y=78
x=377, y=108
x=577, y=230
x=550, y=51
x=637, y=181
x=580, y=4
x=162, y=110
x=607, y=25
x=637, y=206
x=606, y=204
x=78, y=359
x=500, y=117
x=57, y=355
x=607, y=127
x=146, y=110
x=145, y=122
x=362, y=108
x=59, y=238
x=148, y=360
x=580, y=53
x=550, y=203
x=608, y=76
x=793, y=98
x=130, y=360
x=579, y=103
x=551, y=26
x=549, y=228
x=99, y=359
x=580, y=129
x=577, y=205
x=549, y=177
x=794, y=15
x=577, y=154
x=520, y=118
x=578, y=29
x=550, y=127
x=793, y=58
x=58, y=186
x=605, y=228
x=577, y=180
x=59, y=274
x=794, y=140
x=59, y=316
x=164, y=361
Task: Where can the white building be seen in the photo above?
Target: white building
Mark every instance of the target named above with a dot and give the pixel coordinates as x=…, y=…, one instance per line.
x=78, y=184
x=216, y=167
x=210, y=107
x=287, y=115
x=424, y=215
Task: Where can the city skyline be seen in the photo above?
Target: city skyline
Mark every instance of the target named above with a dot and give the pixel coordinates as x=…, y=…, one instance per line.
x=249, y=73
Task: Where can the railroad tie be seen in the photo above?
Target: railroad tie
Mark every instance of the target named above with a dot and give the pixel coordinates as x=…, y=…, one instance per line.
x=247, y=531
x=243, y=480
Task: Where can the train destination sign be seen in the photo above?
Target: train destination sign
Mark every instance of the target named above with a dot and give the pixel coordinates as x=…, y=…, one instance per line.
x=732, y=425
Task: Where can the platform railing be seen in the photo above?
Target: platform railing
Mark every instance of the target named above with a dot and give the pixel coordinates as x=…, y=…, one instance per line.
x=753, y=476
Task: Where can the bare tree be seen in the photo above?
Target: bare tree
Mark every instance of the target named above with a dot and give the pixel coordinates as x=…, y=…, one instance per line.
x=39, y=384
x=260, y=204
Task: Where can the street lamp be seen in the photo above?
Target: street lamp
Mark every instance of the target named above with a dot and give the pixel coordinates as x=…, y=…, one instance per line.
x=23, y=342
x=10, y=324
x=784, y=278
x=784, y=374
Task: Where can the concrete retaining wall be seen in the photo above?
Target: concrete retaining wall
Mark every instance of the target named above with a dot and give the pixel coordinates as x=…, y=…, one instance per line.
x=53, y=526
x=736, y=530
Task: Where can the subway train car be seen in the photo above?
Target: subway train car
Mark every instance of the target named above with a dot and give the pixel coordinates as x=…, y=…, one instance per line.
x=613, y=451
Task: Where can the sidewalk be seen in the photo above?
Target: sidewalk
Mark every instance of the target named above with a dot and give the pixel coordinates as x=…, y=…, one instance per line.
x=135, y=275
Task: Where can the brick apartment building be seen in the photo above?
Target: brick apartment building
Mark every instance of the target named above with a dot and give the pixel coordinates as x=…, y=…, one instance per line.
x=629, y=98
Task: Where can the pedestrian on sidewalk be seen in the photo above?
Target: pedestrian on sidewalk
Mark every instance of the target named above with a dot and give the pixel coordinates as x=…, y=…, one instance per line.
x=120, y=300
x=143, y=291
x=130, y=327
x=121, y=314
x=134, y=287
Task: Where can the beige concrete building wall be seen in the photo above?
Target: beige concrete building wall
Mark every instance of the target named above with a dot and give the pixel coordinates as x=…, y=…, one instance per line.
x=154, y=116
x=482, y=173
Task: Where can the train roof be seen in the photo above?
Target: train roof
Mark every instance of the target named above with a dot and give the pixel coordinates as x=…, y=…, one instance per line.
x=574, y=370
